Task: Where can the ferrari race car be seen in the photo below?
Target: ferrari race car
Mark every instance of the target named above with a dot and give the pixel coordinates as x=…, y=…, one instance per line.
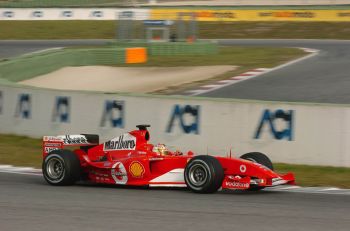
x=130, y=160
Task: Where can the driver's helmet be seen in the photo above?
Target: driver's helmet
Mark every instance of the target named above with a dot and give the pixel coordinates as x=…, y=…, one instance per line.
x=161, y=149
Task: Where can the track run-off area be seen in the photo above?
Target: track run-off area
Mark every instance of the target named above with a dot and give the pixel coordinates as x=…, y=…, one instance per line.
x=27, y=201
x=323, y=78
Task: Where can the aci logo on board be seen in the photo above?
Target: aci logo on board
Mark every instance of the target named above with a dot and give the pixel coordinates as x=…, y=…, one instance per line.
x=37, y=14
x=67, y=14
x=96, y=14
x=113, y=114
x=283, y=118
x=188, y=117
x=24, y=106
x=126, y=15
x=61, y=110
x=8, y=14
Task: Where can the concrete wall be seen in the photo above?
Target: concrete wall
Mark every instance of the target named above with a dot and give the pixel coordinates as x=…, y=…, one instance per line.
x=289, y=132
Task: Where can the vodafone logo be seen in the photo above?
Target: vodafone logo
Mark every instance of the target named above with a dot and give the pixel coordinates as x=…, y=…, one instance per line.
x=119, y=173
x=243, y=168
x=237, y=185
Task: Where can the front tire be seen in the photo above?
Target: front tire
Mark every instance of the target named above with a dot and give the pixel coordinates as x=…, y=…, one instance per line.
x=204, y=174
x=61, y=167
x=259, y=158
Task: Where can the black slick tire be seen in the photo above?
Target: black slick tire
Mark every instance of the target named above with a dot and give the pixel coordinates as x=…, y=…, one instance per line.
x=204, y=174
x=61, y=167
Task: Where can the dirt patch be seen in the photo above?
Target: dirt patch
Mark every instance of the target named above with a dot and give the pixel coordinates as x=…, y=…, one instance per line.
x=125, y=79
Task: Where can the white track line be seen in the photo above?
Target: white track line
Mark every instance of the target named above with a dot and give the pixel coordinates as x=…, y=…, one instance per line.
x=23, y=173
x=5, y=166
x=41, y=51
x=250, y=74
x=330, y=189
x=19, y=170
x=314, y=190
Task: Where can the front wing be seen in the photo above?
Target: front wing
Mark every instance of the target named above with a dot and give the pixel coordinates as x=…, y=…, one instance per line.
x=237, y=182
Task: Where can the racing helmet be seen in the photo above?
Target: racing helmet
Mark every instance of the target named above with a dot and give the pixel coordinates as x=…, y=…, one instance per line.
x=161, y=149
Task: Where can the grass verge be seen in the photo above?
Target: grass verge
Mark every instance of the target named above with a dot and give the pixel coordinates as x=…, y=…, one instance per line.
x=24, y=151
x=307, y=175
x=20, y=151
x=249, y=57
x=106, y=30
x=245, y=58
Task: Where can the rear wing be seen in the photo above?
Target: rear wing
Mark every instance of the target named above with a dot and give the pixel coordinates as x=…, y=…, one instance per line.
x=51, y=143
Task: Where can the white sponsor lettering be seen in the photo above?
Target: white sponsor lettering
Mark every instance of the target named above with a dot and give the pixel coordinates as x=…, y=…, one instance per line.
x=236, y=184
x=52, y=138
x=75, y=139
x=68, y=139
x=123, y=142
x=49, y=149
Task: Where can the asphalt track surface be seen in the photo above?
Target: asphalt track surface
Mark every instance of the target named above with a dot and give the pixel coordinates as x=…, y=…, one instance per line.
x=323, y=78
x=28, y=203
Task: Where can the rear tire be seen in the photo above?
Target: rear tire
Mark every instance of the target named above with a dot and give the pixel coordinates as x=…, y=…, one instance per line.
x=61, y=167
x=259, y=158
x=204, y=174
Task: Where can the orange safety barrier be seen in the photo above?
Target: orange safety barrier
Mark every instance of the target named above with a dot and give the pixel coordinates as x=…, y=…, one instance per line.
x=136, y=55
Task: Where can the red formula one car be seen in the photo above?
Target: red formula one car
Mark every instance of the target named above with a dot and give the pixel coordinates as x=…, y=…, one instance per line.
x=130, y=160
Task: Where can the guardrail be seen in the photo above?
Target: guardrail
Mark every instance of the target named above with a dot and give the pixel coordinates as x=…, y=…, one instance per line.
x=29, y=66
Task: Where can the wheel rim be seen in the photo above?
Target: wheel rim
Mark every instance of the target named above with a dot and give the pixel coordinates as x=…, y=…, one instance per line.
x=198, y=174
x=55, y=169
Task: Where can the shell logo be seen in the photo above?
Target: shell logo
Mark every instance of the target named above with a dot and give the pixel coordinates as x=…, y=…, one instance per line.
x=136, y=169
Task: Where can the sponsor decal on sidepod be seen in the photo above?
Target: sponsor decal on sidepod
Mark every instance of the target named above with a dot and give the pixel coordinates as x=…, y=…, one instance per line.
x=123, y=142
x=136, y=169
x=119, y=173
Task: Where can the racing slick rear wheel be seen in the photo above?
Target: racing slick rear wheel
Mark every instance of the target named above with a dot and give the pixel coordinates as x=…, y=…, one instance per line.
x=204, y=174
x=259, y=158
x=61, y=167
